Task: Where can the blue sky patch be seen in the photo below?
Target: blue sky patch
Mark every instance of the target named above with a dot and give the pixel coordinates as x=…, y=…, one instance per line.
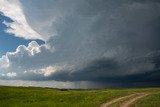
x=8, y=42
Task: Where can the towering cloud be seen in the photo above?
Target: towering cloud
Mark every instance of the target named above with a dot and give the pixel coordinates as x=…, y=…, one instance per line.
x=101, y=41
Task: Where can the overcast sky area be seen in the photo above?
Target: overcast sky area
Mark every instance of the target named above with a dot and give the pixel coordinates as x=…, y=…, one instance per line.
x=80, y=43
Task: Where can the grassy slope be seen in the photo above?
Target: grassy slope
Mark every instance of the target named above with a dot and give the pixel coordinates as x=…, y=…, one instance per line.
x=38, y=97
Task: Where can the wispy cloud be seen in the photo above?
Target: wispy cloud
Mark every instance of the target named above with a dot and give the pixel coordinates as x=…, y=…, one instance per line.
x=19, y=27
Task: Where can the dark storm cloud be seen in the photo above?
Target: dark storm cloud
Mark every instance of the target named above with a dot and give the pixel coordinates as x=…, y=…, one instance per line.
x=108, y=71
x=105, y=41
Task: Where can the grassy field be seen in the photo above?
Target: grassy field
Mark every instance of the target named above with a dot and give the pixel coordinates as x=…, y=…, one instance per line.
x=45, y=97
x=149, y=101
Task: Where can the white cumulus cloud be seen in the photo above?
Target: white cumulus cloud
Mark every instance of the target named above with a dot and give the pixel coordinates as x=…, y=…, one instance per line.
x=4, y=62
x=32, y=49
x=11, y=74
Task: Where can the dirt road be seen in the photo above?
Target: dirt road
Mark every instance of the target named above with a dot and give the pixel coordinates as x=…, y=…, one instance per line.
x=128, y=100
x=131, y=101
x=116, y=100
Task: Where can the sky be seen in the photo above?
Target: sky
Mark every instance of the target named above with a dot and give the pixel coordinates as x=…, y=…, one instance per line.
x=80, y=43
x=7, y=41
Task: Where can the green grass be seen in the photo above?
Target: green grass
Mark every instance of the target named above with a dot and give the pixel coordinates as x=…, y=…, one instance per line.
x=117, y=104
x=149, y=101
x=43, y=97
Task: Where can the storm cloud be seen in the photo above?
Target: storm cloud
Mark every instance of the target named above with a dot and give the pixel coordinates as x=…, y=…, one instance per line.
x=105, y=41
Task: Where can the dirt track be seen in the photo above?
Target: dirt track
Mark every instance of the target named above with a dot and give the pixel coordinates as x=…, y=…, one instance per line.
x=131, y=101
x=127, y=100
